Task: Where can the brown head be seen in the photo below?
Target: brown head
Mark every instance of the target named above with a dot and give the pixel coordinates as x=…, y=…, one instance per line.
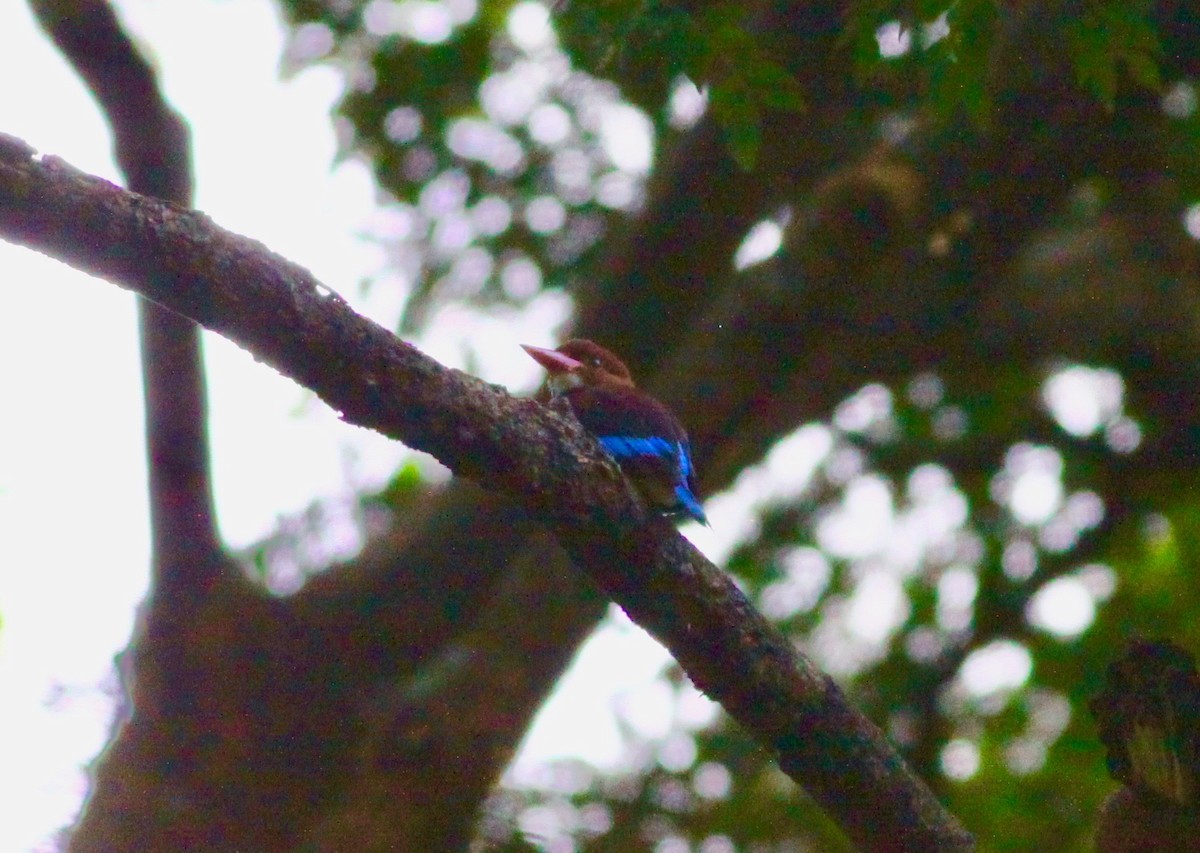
x=580, y=362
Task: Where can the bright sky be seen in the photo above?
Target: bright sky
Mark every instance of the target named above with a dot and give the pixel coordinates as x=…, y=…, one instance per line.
x=73, y=528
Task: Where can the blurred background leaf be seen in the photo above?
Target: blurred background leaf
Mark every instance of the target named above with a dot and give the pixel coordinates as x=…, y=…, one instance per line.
x=965, y=543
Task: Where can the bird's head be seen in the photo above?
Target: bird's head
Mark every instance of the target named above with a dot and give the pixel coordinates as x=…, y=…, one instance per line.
x=579, y=362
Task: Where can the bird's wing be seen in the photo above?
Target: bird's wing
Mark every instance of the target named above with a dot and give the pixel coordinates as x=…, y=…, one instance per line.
x=631, y=425
x=648, y=442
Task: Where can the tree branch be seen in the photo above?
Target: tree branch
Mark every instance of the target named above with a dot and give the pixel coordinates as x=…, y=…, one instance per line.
x=153, y=148
x=672, y=260
x=456, y=721
x=537, y=454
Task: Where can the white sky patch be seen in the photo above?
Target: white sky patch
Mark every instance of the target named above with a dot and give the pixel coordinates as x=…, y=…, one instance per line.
x=877, y=607
x=510, y=96
x=935, y=30
x=845, y=640
x=678, y=752
x=426, y=21
x=491, y=216
x=762, y=241
x=456, y=334
x=648, y=708
x=66, y=609
x=1191, y=221
x=1084, y=509
x=619, y=660
x=549, y=124
x=806, y=576
x=627, y=137
x=934, y=510
x=403, y=124
x=694, y=710
x=712, y=781
x=999, y=666
x=1099, y=580
x=1035, y=496
x=462, y=11
x=618, y=190
x=960, y=759
x=784, y=473
x=70, y=608
x=1025, y=755
x=1083, y=399
x=476, y=139
x=1179, y=101
x=687, y=104
x=792, y=461
x=521, y=277
x=732, y=523
x=1123, y=435
x=894, y=40
x=1049, y=715
x=864, y=410
x=545, y=214
x=862, y=522
x=382, y=17
x=926, y=390
x=529, y=26
x=1019, y=560
x=1030, y=484
x=956, y=588
x=1063, y=607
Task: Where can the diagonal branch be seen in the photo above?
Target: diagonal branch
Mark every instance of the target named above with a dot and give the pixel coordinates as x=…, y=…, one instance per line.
x=536, y=454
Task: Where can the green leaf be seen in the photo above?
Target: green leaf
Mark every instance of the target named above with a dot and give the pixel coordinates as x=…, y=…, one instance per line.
x=775, y=86
x=740, y=121
x=1111, y=38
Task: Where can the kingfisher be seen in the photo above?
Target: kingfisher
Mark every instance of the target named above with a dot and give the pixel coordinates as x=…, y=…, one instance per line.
x=640, y=433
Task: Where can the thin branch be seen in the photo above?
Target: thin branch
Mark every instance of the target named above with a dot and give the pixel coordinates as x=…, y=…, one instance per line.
x=535, y=453
x=153, y=148
x=151, y=141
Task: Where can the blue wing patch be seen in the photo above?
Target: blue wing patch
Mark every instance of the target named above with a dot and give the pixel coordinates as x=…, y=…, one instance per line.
x=685, y=461
x=626, y=447
x=689, y=503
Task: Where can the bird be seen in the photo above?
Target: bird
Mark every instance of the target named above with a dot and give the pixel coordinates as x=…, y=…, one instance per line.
x=638, y=431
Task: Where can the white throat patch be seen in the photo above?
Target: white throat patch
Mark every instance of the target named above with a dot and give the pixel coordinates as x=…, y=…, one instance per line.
x=561, y=383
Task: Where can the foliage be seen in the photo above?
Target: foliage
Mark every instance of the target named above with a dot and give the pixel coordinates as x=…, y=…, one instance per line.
x=491, y=139
x=1110, y=38
x=647, y=47
x=428, y=109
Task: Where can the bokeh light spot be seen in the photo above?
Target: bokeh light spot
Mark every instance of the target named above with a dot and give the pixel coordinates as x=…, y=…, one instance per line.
x=1063, y=607
x=999, y=666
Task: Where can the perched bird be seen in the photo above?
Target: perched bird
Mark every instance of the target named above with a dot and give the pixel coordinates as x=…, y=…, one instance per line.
x=638, y=431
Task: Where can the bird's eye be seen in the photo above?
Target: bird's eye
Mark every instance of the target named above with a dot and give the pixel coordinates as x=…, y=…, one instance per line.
x=595, y=362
